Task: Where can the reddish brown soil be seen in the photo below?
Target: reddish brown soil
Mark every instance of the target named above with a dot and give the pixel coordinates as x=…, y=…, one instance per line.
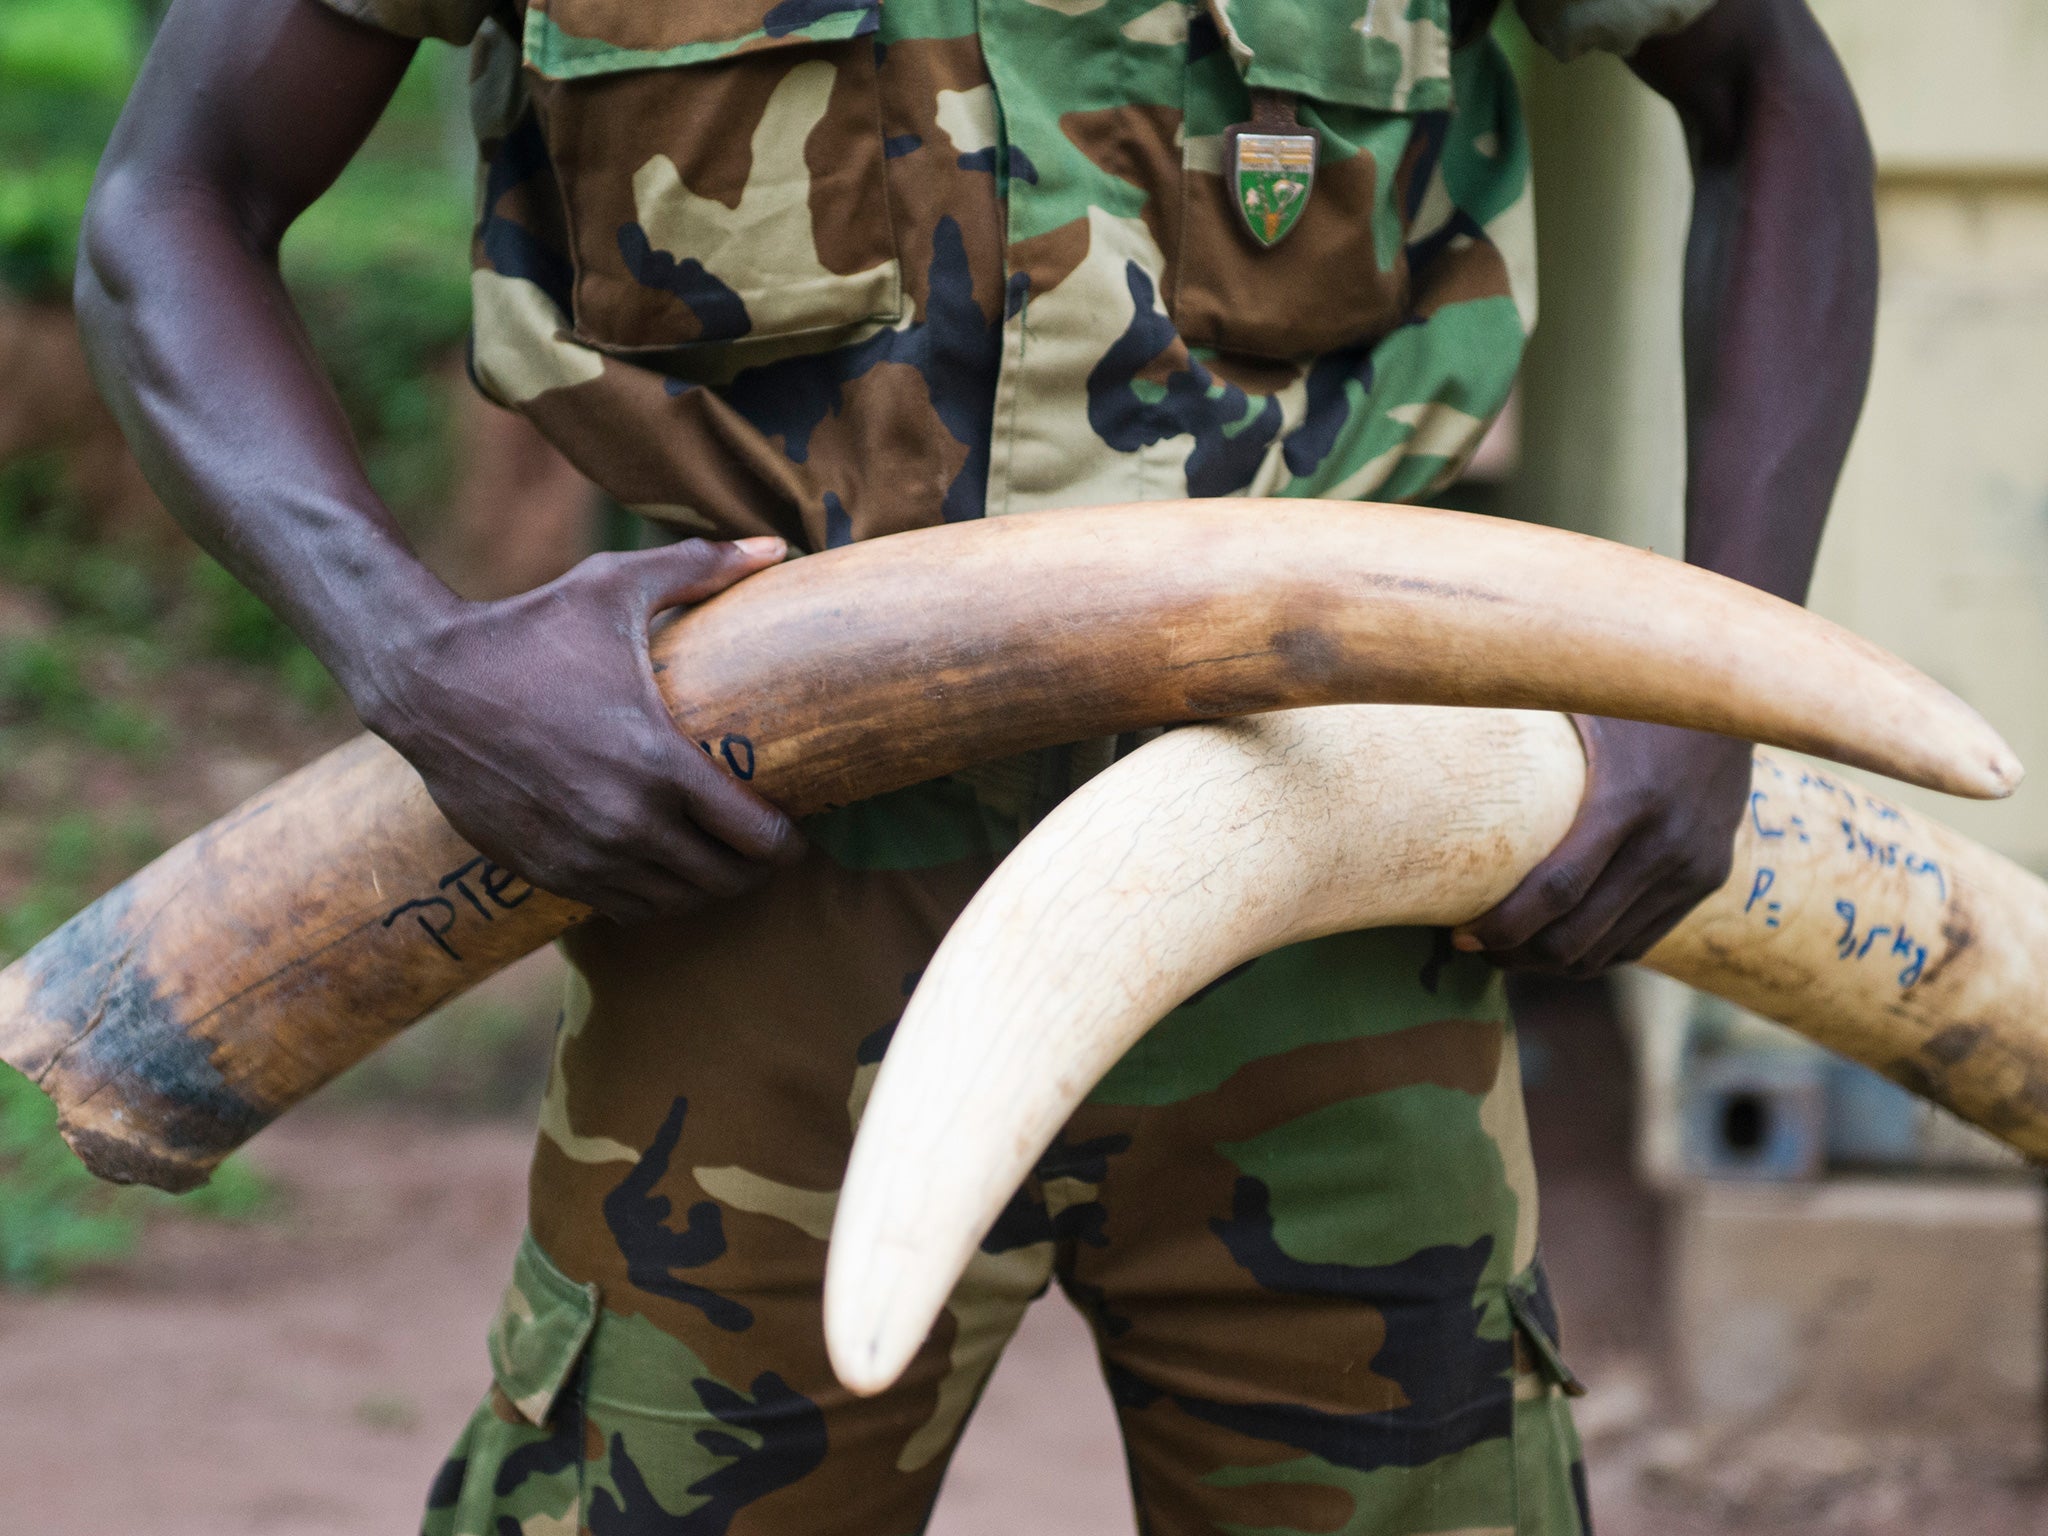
x=298, y=1377
x=303, y=1376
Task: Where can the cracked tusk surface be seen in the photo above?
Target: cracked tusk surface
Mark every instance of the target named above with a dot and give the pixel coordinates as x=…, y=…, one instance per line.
x=1198, y=852
x=1222, y=842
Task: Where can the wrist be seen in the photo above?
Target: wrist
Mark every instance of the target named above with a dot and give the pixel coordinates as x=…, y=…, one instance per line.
x=1649, y=752
x=1764, y=533
x=377, y=653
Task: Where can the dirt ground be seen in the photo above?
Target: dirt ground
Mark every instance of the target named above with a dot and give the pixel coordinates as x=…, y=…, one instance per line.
x=302, y=1376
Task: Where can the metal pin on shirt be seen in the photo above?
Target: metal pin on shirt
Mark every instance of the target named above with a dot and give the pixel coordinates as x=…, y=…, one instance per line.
x=1270, y=165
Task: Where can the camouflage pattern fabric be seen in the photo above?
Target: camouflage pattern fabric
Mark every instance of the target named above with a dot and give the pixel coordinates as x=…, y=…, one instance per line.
x=1300, y=1217
x=836, y=268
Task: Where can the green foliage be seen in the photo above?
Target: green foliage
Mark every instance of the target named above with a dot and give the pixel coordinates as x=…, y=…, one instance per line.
x=42, y=682
x=65, y=66
x=127, y=730
x=233, y=623
x=71, y=847
x=164, y=607
x=484, y=1055
x=379, y=267
x=56, y=1218
x=84, y=48
x=39, y=680
x=79, y=853
x=39, y=212
x=42, y=911
x=46, y=545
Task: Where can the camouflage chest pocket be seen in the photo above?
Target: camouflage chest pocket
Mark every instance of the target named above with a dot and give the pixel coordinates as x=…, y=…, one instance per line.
x=721, y=165
x=1365, y=77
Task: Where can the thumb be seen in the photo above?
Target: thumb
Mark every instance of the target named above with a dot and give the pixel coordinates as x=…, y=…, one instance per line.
x=694, y=569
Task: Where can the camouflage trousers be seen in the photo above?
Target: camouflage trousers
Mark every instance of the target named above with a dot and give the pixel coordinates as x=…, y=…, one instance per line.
x=1300, y=1217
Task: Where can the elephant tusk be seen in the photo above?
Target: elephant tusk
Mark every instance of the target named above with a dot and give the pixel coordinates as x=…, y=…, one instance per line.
x=189, y=1007
x=1878, y=933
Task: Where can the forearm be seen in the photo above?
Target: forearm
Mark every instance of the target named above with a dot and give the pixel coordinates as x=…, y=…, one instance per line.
x=244, y=113
x=1780, y=310
x=195, y=345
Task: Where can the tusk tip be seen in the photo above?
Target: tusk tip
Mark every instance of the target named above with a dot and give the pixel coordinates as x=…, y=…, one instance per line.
x=1995, y=775
x=1983, y=769
x=872, y=1360
x=875, y=1322
x=859, y=1375
x=2007, y=772
x=2002, y=770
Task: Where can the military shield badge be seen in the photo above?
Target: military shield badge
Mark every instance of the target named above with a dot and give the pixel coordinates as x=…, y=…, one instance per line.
x=1270, y=167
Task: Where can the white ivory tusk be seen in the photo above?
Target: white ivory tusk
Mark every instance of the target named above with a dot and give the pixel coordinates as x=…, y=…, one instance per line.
x=1883, y=936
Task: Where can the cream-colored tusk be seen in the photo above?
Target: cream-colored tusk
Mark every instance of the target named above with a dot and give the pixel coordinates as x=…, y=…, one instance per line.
x=1878, y=933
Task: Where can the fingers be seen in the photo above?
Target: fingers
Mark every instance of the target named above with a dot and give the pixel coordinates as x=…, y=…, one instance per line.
x=682, y=786
x=629, y=844
x=739, y=819
x=663, y=871
x=1643, y=914
x=693, y=872
x=1549, y=891
x=694, y=569
x=1654, y=835
x=1628, y=942
x=709, y=798
x=1609, y=897
x=1602, y=918
x=682, y=834
x=697, y=791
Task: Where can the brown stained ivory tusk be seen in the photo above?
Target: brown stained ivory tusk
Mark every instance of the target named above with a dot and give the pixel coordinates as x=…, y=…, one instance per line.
x=218, y=987
x=1878, y=933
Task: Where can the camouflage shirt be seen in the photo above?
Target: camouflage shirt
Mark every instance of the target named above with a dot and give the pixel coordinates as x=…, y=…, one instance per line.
x=837, y=268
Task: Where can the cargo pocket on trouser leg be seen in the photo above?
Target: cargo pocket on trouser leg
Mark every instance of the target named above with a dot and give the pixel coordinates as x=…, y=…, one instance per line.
x=600, y=1421
x=520, y=1460
x=668, y=1439
x=1550, y=1472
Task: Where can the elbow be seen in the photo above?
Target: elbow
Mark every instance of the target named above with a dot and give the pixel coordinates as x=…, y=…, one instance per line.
x=145, y=222
x=114, y=223
x=100, y=291
x=1763, y=75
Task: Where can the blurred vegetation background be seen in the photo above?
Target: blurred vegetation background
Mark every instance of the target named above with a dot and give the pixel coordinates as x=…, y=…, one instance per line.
x=142, y=690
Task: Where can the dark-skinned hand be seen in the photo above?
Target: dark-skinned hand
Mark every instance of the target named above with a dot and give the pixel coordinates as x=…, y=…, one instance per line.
x=1654, y=836
x=537, y=726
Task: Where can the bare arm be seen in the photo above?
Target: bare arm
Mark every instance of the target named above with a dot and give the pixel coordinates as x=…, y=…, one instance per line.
x=1780, y=313
x=534, y=721
x=1780, y=282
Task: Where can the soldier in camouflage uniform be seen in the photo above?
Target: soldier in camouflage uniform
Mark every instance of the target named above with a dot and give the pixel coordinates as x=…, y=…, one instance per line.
x=813, y=271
